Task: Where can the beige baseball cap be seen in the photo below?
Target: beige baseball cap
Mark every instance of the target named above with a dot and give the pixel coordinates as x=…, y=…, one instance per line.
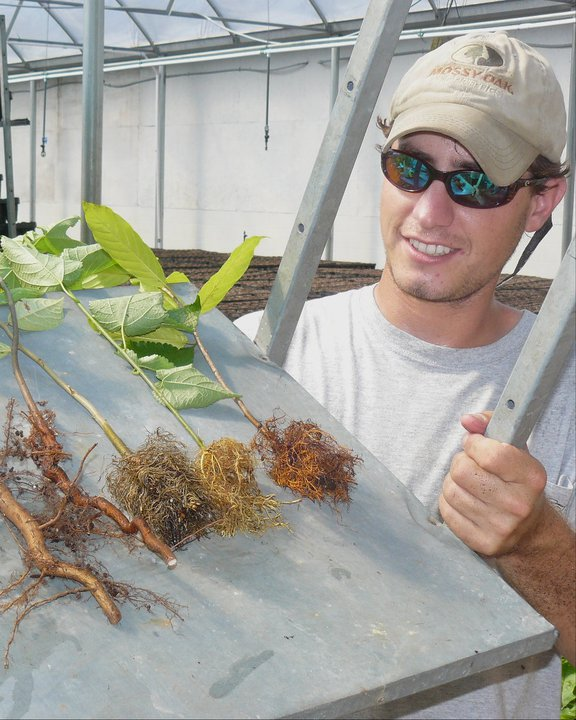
x=492, y=93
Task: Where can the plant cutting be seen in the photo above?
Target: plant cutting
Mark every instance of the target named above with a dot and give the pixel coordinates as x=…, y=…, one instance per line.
x=60, y=524
x=300, y=456
x=47, y=453
x=164, y=488
x=222, y=470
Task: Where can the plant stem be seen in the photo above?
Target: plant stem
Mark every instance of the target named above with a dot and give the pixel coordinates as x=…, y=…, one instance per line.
x=137, y=369
x=49, y=460
x=206, y=355
x=111, y=434
x=241, y=404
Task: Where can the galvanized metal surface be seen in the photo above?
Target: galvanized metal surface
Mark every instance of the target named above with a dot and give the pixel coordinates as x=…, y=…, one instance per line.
x=5, y=123
x=92, y=109
x=340, y=613
x=543, y=356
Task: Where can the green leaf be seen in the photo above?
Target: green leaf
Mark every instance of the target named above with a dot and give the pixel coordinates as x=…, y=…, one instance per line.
x=55, y=240
x=154, y=362
x=36, y=269
x=149, y=362
x=568, y=707
x=177, y=277
x=4, y=350
x=99, y=270
x=173, y=355
x=124, y=245
x=187, y=387
x=216, y=287
x=164, y=335
x=19, y=293
x=184, y=318
x=39, y=313
x=5, y=269
x=137, y=314
x=9, y=278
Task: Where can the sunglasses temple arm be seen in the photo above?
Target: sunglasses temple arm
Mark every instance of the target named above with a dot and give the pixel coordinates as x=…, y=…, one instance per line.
x=529, y=249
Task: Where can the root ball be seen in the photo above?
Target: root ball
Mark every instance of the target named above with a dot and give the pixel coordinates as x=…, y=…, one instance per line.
x=158, y=482
x=307, y=460
x=226, y=470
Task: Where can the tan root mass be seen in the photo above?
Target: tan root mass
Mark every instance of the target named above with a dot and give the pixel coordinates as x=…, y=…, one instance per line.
x=307, y=460
x=226, y=469
x=159, y=483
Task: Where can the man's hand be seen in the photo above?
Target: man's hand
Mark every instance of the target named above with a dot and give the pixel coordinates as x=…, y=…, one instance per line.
x=493, y=495
x=493, y=499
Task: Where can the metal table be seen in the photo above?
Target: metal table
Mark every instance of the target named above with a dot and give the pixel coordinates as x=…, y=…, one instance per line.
x=340, y=614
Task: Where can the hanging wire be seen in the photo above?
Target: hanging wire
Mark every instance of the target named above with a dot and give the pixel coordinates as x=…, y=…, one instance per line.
x=266, y=125
x=44, y=138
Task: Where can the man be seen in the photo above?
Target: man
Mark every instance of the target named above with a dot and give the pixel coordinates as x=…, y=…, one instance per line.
x=471, y=161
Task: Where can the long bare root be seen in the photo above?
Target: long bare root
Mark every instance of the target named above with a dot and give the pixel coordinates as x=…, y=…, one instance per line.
x=56, y=539
x=47, y=453
x=38, y=555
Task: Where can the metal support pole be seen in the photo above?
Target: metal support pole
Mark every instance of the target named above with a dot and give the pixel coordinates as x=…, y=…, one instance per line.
x=7, y=132
x=349, y=119
x=549, y=344
x=92, y=103
x=568, y=230
x=334, y=86
x=160, y=153
x=32, y=214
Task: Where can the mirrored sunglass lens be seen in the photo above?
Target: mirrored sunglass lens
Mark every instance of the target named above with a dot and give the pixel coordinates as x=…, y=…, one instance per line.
x=407, y=172
x=476, y=189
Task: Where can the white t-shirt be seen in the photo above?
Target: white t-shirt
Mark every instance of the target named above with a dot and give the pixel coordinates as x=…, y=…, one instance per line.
x=402, y=398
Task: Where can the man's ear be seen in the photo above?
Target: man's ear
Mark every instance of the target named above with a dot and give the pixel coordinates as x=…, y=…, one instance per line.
x=543, y=203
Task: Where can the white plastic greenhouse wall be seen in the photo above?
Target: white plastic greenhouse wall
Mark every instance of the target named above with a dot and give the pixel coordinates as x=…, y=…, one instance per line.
x=220, y=181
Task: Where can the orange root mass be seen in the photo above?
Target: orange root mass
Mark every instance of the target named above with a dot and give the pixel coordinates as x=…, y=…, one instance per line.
x=307, y=460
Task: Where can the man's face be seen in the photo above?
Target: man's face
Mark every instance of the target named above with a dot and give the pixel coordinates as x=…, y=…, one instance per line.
x=436, y=249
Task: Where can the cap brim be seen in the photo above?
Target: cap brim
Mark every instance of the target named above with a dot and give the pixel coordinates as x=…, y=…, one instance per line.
x=501, y=154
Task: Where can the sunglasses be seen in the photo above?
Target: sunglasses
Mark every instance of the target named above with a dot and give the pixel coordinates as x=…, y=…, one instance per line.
x=471, y=188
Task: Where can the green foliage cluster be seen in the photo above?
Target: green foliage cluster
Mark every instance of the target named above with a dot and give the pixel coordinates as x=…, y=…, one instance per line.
x=151, y=329
x=568, y=711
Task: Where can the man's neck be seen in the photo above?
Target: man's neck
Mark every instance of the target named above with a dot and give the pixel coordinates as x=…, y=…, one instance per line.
x=472, y=322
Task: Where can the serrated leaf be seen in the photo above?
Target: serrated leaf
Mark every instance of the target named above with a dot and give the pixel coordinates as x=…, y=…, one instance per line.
x=36, y=269
x=4, y=350
x=217, y=287
x=155, y=362
x=177, y=277
x=55, y=240
x=137, y=314
x=184, y=318
x=164, y=335
x=124, y=245
x=99, y=270
x=39, y=313
x=187, y=387
x=173, y=355
x=149, y=362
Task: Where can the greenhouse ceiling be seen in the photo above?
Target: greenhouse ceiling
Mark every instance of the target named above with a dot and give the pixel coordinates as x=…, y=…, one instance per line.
x=45, y=37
